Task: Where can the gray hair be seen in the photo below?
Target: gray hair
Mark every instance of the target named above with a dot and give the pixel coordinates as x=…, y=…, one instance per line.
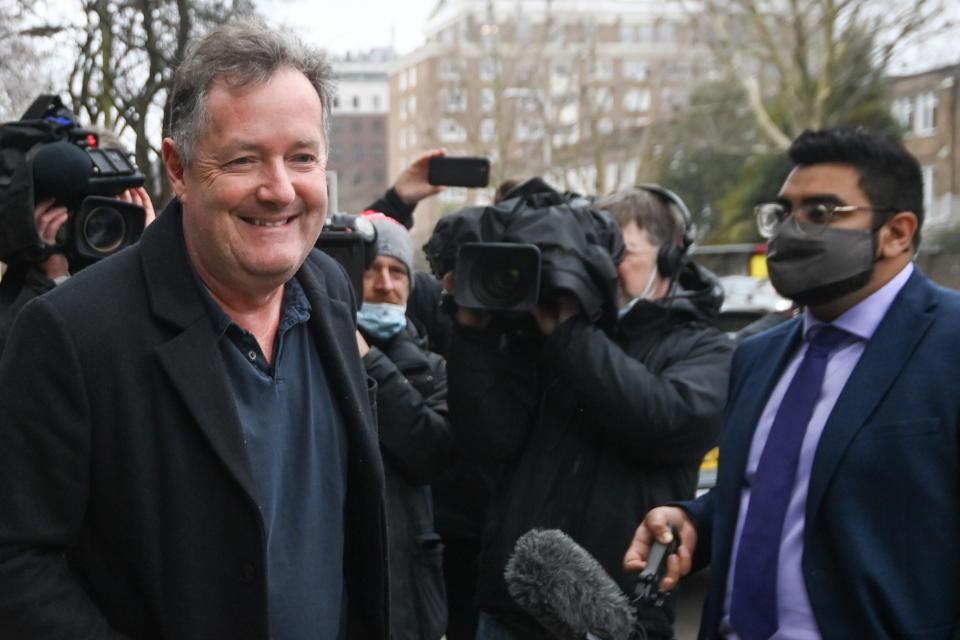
x=239, y=53
x=662, y=221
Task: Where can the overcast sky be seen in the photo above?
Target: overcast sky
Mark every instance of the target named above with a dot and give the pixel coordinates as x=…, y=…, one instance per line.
x=353, y=25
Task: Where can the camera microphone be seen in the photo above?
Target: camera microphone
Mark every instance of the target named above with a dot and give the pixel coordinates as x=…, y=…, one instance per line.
x=62, y=171
x=566, y=590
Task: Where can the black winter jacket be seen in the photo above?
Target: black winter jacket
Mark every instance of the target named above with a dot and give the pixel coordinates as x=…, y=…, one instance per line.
x=592, y=431
x=416, y=442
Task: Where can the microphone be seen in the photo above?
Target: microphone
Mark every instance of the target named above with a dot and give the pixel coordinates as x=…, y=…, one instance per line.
x=566, y=590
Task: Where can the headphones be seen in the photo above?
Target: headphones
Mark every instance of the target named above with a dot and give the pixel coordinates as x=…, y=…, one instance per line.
x=670, y=255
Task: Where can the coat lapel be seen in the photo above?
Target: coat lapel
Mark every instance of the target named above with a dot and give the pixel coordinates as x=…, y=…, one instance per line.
x=191, y=357
x=884, y=357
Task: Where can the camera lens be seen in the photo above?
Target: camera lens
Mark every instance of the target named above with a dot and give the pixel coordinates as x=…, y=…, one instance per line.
x=502, y=285
x=104, y=229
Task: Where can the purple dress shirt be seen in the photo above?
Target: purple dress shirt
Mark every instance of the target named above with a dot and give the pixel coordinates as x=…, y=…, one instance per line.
x=793, y=604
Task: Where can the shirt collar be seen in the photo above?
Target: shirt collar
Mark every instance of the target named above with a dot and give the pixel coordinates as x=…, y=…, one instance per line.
x=864, y=317
x=295, y=309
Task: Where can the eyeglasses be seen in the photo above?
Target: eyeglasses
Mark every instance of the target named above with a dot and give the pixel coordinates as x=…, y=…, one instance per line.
x=810, y=217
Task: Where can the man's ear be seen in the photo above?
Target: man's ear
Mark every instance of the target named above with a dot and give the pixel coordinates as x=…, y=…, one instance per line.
x=898, y=238
x=173, y=162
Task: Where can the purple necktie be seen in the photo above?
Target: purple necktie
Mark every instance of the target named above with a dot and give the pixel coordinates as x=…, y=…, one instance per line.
x=753, y=602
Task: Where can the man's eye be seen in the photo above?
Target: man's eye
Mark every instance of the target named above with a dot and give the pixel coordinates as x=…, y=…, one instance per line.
x=240, y=161
x=305, y=158
x=819, y=214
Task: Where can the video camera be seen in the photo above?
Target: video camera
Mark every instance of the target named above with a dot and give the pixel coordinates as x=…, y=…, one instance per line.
x=352, y=241
x=46, y=154
x=527, y=249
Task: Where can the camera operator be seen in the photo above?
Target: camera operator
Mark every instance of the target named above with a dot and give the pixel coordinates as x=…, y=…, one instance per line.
x=415, y=436
x=592, y=428
x=23, y=281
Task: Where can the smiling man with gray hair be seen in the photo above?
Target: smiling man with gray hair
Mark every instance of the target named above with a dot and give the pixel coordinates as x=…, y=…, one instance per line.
x=185, y=429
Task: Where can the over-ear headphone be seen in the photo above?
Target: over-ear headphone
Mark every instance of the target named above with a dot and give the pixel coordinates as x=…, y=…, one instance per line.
x=671, y=253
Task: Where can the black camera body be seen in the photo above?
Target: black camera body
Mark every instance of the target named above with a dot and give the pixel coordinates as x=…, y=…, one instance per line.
x=352, y=241
x=528, y=249
x=46, y=155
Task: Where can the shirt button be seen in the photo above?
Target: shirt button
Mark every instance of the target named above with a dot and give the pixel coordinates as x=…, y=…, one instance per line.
x=247, y=572
x=252, y=354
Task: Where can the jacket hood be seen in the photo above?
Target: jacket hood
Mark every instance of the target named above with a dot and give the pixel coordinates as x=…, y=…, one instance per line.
x=697, y=297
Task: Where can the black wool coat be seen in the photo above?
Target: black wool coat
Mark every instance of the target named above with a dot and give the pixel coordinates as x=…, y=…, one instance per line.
x=127, y=506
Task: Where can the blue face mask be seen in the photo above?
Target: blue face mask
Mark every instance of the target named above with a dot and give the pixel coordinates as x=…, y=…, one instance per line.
x=382, y=319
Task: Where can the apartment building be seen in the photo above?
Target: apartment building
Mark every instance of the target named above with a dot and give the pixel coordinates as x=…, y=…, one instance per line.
x=358, y=131
x=564, y=89
x=927, y=105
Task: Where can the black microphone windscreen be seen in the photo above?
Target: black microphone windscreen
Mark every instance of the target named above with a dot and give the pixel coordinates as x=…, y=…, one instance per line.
x=61, y=170
x=565, y=589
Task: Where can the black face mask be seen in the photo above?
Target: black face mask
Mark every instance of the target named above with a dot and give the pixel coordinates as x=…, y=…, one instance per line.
x=816, y=269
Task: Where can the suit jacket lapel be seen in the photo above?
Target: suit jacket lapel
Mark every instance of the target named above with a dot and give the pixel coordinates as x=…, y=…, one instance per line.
x=334, y=329
x=191, y=358
x=885, y=355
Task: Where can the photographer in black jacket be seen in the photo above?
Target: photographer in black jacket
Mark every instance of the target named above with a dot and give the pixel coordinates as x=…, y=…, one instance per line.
x=590, y=427
x=415, y=436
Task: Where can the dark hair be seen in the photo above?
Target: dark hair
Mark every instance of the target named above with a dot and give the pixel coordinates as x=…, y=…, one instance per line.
x=240, y=53
x=663, y=222
x=889, y=175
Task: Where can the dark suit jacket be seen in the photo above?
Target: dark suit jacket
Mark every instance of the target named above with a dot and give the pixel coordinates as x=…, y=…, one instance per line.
x=882, y=541
x=127, y=502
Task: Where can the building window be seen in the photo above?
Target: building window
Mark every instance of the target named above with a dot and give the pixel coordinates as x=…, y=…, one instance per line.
x=455, y=195
x=376, y=126
x=357, y=152
x=927, y=105
x=488, y=130
x=601, y=99
x=636, y=100
x=489, y=69
x=488, y=100
x=377, y=150
x=455, y=100
x=412, y=105
x=628, y=33
x=379, y=178
x=451, y=131
x=336, y=102
x=356, y=126
x=412, y=77
x=602, y=68
x=522, y=29
x=412, y=136
x=902, y=109
x=357, y=177
x=635, y=69
x=450, y=70
x=929, y=193
x=356, y=102
x=376, y=103
x=402, y=80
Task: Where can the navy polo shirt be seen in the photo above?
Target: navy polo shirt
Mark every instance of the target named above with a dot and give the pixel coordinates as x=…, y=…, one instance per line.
x=297, y=443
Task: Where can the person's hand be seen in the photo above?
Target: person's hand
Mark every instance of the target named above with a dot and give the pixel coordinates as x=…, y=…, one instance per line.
x=140, y=196
x=362, y=344
x=474, y=318
x=412, y=185
x=656, y=526
x=551, y=316
x=49, y=219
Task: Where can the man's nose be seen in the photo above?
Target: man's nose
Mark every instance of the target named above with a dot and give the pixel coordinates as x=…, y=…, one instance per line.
x=384, y=282
x=276, y=187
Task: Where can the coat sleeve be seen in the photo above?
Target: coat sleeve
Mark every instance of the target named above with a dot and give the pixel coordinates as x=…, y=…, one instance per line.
x=670, y=416
x=45, y=456
x=391, y=204
x=415, y=433
x=493, y=396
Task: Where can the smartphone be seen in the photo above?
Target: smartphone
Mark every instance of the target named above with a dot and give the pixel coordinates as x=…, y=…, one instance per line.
x=459, y=171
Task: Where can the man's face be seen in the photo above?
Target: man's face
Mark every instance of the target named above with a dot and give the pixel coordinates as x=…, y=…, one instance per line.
x=255, y=198
x=831, y=184
x=638, y=263
x=386, y=280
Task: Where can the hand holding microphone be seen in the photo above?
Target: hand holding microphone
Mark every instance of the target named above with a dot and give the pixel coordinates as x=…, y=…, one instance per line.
x=656, y=526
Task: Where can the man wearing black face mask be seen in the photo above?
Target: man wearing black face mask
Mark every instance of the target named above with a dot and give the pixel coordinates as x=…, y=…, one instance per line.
x=835, y=513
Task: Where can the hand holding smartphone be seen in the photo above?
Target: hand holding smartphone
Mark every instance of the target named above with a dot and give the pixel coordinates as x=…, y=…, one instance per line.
x=459, y=171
